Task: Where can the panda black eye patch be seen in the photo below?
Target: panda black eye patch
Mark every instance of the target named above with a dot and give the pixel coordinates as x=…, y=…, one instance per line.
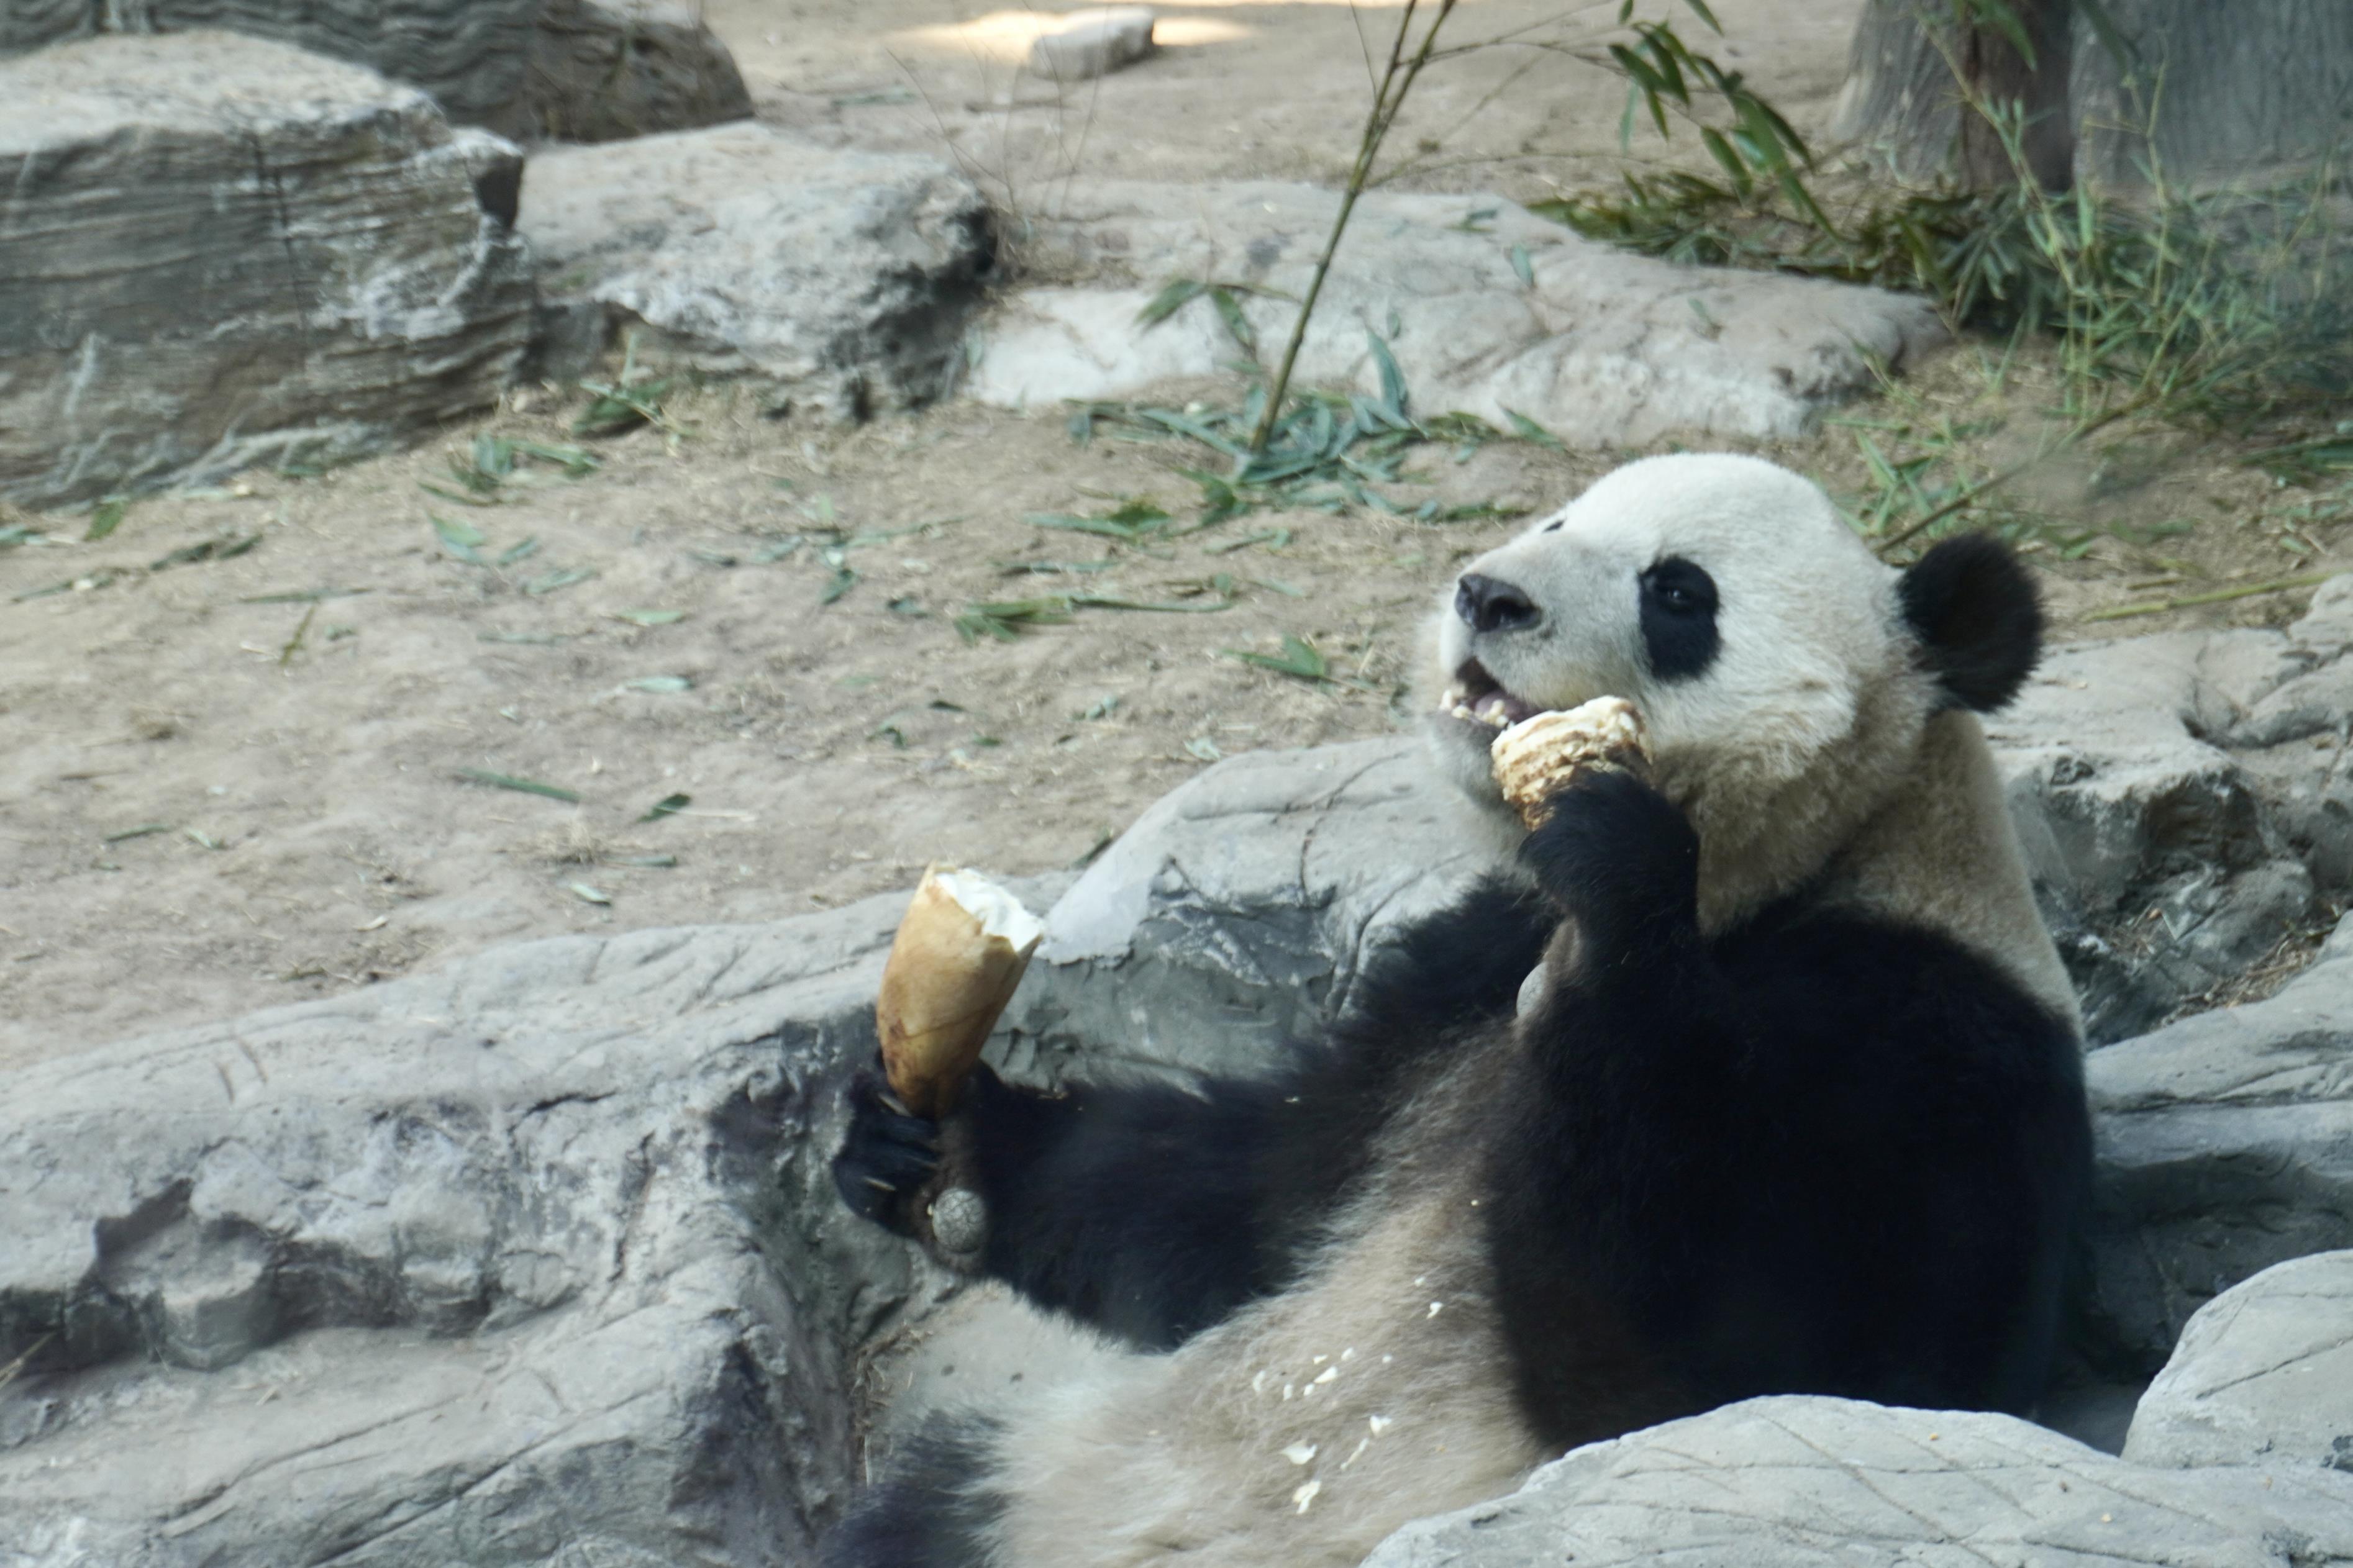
x=1678, y=620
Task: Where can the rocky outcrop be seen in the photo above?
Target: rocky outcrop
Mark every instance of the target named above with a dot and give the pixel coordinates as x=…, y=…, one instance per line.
x=530, y=1261
x=604, y=70
x=2184, y=800
x=2238, y=1457
x=2226, y=1146
x=353, y=285
x=1823, y=1483
x=842, y=277
x=583, y=71
x=2263, y=1376
x=1485, y=307
x=30, y=24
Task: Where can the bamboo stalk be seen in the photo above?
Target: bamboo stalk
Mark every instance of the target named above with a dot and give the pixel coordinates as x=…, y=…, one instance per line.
x=2220, y=595
x=1388, y=98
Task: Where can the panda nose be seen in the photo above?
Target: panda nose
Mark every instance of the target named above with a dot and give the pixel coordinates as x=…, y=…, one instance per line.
x=1487, y=605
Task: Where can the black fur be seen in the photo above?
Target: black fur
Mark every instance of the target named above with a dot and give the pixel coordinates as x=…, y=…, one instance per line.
x=1822, y=1153
x=1677, y=610
x=1819, y=1153
x=1152, y=1212
x=1978, y=619
x=928, y=1513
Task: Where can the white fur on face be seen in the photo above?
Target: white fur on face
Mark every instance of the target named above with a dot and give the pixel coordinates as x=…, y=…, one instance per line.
x=1812, y=701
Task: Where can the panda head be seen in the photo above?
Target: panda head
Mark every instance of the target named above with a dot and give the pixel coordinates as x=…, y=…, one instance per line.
x=1786, y=674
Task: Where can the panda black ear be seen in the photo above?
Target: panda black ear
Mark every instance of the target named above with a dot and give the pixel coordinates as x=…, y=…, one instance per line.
x=1978, y=619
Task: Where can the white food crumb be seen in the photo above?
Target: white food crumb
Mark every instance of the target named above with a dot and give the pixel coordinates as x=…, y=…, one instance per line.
x=1349, y=1354
x=1379, y=1424
x=1327, y=1375
x=1286, y=1390
x=1306, y=1494
x=1436, y=1307
x=1300, y=1453
x=1358, y=1453
x=1317, y=1360
x=1258, y=1382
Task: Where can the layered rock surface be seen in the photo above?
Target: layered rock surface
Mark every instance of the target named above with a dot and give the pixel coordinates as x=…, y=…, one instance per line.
x=583, y=70
x=1486, y=308
x=217, y=250
x=844, y=278
x=2263, y=1376
x=1829, y=1483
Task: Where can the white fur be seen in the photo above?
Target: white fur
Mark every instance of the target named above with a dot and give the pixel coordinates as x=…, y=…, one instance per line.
x=1307, y=1428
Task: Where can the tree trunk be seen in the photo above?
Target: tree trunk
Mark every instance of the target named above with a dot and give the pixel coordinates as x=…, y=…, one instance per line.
x=2199, y=90
x=2214, y=89
x=1902, y=93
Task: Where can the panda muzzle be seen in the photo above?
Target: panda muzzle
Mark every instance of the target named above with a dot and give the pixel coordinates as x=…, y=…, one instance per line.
x=1479, y=697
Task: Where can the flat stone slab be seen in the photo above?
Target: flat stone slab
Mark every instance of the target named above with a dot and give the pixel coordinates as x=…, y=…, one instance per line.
x=355, y=285
x=1487, y=308
x=843, y=277
x=1833, y=1483
x=2263, y=1376
x=1089, y=44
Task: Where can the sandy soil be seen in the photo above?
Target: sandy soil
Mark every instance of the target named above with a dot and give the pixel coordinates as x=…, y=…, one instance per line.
x=214, y=796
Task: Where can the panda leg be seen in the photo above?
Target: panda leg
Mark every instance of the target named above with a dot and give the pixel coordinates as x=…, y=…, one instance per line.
x=1610, y=1161
x=933, y=1511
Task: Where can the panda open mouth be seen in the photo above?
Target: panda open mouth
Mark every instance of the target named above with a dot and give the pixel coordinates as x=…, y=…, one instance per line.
x=1479, y=697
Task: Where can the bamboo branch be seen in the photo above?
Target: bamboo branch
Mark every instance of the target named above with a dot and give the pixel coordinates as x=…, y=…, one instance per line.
x=1388, y=98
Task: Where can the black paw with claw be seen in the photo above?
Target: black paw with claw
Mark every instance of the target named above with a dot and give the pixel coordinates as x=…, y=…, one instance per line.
x=887, y=1155
x=1620, y=859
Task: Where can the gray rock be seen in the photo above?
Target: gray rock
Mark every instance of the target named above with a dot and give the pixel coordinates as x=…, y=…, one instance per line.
x=1602, y=347
x=2166, y=860
x=1236, y=910
x=2263, y=1376
x=604, y=70
x=1828, y=1483
x=525, y=1262
x=469, y=53
x=30, y=24
x=846, y=278
x=1089, y=44
x=351, y=290
x=582, y=70
x=2226, y=1146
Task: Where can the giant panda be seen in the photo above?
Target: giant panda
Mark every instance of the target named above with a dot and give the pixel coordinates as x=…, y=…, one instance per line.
x=1759, y=1076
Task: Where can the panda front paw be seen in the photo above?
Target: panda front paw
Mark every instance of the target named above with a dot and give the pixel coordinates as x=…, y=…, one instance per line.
x=1622, y=861
x=886, y=1156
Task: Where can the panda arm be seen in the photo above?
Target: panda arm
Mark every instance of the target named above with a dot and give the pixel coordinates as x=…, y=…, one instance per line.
x=1153, y=1211
x=1826, y=1154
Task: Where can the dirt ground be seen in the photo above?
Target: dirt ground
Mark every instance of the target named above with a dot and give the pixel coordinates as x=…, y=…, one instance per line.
x=241, y=780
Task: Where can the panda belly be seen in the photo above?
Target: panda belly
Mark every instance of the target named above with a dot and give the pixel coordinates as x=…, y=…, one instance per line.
x=1303, y=1430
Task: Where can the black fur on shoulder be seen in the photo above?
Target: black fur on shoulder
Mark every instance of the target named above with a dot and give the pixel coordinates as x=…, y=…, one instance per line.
x=930, y=1511
x=1978, y=618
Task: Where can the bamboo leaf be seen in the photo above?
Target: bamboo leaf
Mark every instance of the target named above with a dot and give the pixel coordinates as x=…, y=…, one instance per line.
x=1174, y=297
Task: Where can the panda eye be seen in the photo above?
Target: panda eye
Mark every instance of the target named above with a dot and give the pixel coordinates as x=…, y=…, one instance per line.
x=1679, y=588
x=1678, y=620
